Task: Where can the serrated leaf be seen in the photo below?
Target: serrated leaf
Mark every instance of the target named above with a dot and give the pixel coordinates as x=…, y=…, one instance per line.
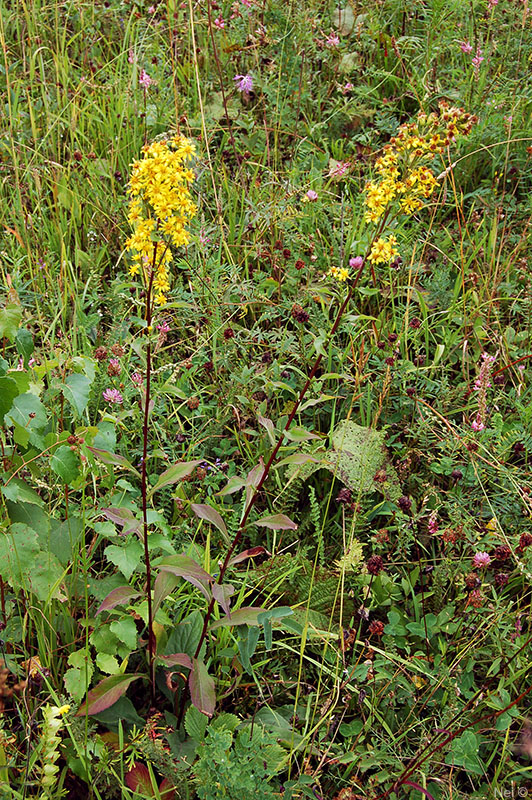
x=202, y=689
x=126, y=557
x=125, y=629
x=77, y=679
x=114, y=459
x=174, y=474
x=107, y=663
x=195, y=724
x=208, y=513
x=65, y=463
x=29, y=414
x=106, y=693
x=25, y=566
x=117, y=597
x=277, y=522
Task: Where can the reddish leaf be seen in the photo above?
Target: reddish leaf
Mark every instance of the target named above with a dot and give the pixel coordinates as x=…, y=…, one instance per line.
x=185, y=567
x=124, y=518
x=174, y=474
x=247, y=615
x=106, y=693
x=165, y=583
x=419, y=788
x=175, y=659
x=113, y=459
x=204, y=511
x=202, y=691
x=119, y=596
x=277, y=522
x=138, y=780
x=252, y=552
x=166, y=790
x=221, y=594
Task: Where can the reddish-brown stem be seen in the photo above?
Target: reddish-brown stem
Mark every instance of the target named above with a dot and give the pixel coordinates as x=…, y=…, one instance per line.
x=144, y=484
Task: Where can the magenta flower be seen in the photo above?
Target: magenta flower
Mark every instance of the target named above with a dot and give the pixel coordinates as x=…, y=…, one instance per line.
x=477, y=424
x=219, y=23
x=113, y=396
x=347, y=87
x=481, y=559
x=137, y=378
x=466, y=47
x=144, y=79
x=477, y=59
x=356, y=262
x=164, y=327
x=244, y=83
x=332, y=40
x=339, y=169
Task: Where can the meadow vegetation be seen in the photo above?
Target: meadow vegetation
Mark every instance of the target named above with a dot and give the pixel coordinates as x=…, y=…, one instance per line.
x=265, y=399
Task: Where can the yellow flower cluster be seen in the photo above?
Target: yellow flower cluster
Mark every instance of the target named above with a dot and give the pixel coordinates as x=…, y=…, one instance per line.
x=159, y=208
x=383, y=251
x=340, y=273
x=403, y=171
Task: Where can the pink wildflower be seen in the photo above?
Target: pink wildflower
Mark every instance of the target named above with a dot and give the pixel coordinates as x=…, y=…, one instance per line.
x=311, y=195
x=113, y=396
x=481, y=560
x=152, y=10
x=477, y=59
x=131, y=57
x=492, y=4
x=477, y=424
x=137, y=378
x=244, y=83
x=247, y=3
x=466, y=47
x=219, y=23
x=164, y=327
x=332, y=40
x=347, y=87
x=356, y=262
x=144, y=79
x=433, y=524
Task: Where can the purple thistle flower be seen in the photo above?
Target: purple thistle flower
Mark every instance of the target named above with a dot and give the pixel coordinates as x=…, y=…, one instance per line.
x=244, y=83
x=113, y=396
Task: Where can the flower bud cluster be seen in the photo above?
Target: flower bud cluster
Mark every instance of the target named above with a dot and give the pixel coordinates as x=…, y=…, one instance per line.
x=52, y=724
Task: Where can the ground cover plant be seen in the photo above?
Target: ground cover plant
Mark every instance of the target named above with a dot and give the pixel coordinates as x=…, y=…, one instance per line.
x=265, y=419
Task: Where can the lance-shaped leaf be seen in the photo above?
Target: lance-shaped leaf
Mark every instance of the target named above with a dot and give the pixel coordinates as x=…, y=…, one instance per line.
x=185, y=567
x=251, y=552
x=270, y=428
x=222, y=593
x=208, y=513
x=234, y=484
x=277, y=522
x=202, y=690
x=118, y=597
x=174, y=474
x=124, y=518
x=106, y=693
x=253, y=479
x=296, y=458
x=247, y=615
x=138, y=780
x=113, y=459
x=176, y=659
x=165, y=583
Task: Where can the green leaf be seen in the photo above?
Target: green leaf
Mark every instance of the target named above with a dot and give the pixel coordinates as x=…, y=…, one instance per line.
x=113, y=459
x=184, y=566
x=125, y=630
x=19, y=492
x=195, y=724
x=126, y=557
x=277, y=522
x=24, y=344
x=29, y=413
x=174, y=474
x=8, y=391
x=77, y=679
x=10, y=317
x=106, y=693
x=65, y=463
x=202, y=689
x=25, y=566
x=117, y=597
x=107, y=663
x=206, y=512
x=124, y=518
x=185, y=636
x=247, y=615
x=76, y=391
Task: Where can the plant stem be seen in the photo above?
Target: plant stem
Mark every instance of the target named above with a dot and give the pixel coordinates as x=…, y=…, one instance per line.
x=144, y=487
